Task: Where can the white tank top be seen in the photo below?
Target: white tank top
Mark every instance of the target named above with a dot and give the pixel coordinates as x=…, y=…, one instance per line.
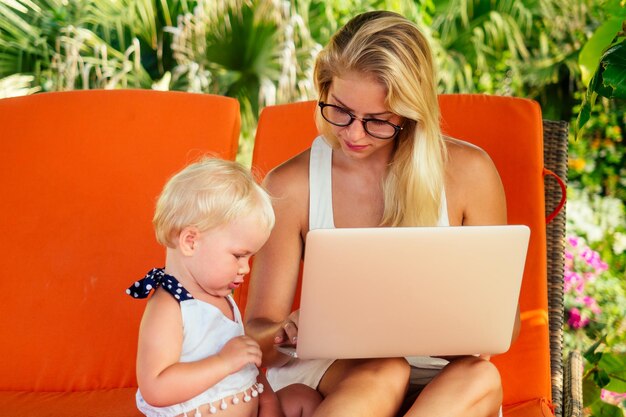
x=320, y=189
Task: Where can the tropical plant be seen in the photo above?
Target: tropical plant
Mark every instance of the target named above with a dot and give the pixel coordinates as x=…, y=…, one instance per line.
x=594, y=300
x=604, y=382
x=480, y=44
x=604, y=56
x=597, y=161
x=595, y=295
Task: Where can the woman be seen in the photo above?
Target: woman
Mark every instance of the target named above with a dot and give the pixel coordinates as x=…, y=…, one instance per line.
x=381, y=161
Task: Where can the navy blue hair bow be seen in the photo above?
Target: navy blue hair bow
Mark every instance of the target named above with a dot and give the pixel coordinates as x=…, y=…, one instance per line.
x=154, y=278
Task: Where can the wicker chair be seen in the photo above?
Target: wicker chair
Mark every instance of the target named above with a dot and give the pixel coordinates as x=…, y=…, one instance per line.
x=525, y=149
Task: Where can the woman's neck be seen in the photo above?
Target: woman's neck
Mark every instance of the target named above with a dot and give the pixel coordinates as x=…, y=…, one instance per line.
x=376, y=164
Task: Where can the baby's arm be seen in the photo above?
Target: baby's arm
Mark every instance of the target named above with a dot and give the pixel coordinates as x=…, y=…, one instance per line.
x=163, y=380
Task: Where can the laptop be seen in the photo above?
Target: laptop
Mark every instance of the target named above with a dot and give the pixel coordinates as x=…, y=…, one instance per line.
x=408, y=291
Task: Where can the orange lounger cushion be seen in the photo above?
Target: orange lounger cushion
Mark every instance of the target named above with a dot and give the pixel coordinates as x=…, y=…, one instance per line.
x=80, y=173
x=102, y=403
x=539, y=407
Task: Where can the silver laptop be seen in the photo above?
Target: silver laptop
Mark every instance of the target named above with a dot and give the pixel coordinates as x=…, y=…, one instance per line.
x=391, y=292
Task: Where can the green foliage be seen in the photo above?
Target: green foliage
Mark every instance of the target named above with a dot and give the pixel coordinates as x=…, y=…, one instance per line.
x=480, y=45
x=59, y=46
x=591, y=53
x=609, y=77
x=594, y=299
x=603, y=381
x=596, y=159
x=595, y=295
x=230, y=50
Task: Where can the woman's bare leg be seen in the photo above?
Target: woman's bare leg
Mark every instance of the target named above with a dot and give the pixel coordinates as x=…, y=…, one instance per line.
x=269, y=404
x=298, y=400
x=363, y=388
x=468, y=387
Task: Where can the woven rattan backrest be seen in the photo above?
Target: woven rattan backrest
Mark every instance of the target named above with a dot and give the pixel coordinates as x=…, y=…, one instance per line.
x=555, y=159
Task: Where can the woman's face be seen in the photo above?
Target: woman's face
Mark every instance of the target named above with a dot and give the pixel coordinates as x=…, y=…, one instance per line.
x=364, y=97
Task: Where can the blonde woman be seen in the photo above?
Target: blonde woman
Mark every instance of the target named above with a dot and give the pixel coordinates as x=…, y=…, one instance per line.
x=381, y=161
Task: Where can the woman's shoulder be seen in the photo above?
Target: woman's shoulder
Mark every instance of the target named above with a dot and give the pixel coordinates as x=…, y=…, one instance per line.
x=290, y=176
x=473, y=186
x=466, y=159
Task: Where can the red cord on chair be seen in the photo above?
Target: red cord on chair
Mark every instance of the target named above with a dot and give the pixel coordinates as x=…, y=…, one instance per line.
x=559, y=207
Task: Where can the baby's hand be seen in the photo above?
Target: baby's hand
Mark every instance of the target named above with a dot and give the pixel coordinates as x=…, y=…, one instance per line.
x=240, y=351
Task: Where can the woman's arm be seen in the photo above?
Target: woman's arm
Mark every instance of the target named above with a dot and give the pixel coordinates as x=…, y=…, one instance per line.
x=163, y=380
x=476, y=188
x=477, y=192
x=276, y=266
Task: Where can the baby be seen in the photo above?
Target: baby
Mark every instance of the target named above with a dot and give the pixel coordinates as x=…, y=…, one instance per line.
x=193, y=356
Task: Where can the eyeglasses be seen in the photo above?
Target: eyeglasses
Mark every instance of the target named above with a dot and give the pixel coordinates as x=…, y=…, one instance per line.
x=338, y=116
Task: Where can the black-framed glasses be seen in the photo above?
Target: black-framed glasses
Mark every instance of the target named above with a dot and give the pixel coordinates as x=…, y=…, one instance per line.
x=338, y=116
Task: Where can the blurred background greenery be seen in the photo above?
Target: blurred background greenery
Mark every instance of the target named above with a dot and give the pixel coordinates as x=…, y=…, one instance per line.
x=569, y=55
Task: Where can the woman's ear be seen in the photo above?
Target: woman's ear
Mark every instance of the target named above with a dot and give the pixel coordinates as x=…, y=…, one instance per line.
x=187, y=240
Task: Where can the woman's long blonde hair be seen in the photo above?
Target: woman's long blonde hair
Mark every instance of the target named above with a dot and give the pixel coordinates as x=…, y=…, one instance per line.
x=390, y=48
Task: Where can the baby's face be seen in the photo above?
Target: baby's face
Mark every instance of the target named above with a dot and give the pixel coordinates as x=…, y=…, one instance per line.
x=222, y=255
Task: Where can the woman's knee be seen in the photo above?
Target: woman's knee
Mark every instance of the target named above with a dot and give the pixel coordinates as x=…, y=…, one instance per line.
x=387, y=373
x=485, y=377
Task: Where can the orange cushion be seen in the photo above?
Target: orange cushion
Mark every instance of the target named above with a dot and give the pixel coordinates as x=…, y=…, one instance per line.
x=510, y=131
x=105, y=403
x=80, y=175
x=539, y=407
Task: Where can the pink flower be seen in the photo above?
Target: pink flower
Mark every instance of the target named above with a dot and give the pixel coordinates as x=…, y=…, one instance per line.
x=573, y=281
x=592, y=258
x=589, y=276
x=590, y=302
x=573, y=241
x=576, y=320
x=611, y=397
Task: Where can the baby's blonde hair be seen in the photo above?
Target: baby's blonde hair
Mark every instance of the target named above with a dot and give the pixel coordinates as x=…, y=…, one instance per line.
x=208, y=194
x=394, y=52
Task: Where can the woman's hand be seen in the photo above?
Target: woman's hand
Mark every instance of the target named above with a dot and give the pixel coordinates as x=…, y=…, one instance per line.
x=288, y=332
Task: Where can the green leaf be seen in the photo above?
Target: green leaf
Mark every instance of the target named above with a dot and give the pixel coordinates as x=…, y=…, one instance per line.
x=602, y=409
x=614, y=74
x=615, y=8
x=591, y=53
x=590, y=354
x=601, y=378
x=613, y=362
x=615, y=366
x=591, y=392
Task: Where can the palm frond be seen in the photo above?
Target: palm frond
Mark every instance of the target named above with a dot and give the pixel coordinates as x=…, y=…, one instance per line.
x=17, y=85
x=22, y=41
x=83, y=60
x=477, y=36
